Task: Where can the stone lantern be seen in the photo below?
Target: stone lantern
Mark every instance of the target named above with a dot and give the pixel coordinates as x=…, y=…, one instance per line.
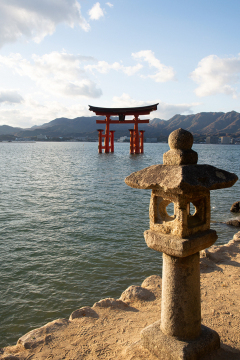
x=180, y=236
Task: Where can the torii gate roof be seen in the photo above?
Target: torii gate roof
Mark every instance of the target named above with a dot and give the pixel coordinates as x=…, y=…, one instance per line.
x=140, y=110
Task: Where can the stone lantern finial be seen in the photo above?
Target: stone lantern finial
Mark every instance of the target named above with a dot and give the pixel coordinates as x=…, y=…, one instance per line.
x=180, y=236
x=180, y=142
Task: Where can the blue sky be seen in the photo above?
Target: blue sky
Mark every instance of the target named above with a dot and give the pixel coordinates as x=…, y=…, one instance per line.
x=59, y=56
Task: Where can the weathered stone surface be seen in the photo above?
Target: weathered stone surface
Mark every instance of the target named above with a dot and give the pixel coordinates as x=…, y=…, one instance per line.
x=177, y=246
x=181, y=179
x=10, y=357
x=235, y=207
x=180, y=139
x=41, y=335
x=171, y=348
x=235, y=222
x=135, y=293
x=181, y=308
x=111, y=303
x=85, y=311
x=180, y=142
x=182, y=223
x=180, y=157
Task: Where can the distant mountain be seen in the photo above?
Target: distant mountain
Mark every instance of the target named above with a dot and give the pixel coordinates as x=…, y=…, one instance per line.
x=63, y=127
x=205, y=123
x=194, y=123
x=8, y=130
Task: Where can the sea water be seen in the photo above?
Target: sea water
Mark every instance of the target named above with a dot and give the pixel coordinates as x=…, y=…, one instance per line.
x=71, y=230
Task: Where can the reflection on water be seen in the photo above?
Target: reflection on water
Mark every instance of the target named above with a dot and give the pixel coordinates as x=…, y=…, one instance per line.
x=72, y=231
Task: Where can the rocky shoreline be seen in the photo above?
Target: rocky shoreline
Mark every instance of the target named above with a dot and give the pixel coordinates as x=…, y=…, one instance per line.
x=111, y=328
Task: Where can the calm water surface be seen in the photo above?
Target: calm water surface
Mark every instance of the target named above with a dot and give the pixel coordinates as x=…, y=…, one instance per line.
x=71, y=230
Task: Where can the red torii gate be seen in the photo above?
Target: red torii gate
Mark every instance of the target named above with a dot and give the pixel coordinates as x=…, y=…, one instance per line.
x=136, y=137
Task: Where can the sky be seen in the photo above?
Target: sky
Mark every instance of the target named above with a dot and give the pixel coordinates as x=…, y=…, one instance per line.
x=59, y=56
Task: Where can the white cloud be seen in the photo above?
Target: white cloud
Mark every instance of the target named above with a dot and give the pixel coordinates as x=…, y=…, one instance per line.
x=164, y=73
x=109, y=4
x=104, y=67
x=34, y=113
x=96, y=12
x=12, y=117
x=126, y=101
x=164, y=110
x=131, y=70
x=217, y=76
x=36, y=19
x=10, y=97
x=57, y=73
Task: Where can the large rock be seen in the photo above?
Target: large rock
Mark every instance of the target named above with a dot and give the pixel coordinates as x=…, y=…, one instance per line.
x=236, y=238
x=221, y=253
x=235, y=222
x=235, y=207
x=153, y=282
x=85, y=311
x=136, y=293
x=41, y=335
x=111, y=303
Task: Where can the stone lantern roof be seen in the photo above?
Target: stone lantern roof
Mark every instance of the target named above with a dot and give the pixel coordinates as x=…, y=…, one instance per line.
x=180, y=172
x=181, y=179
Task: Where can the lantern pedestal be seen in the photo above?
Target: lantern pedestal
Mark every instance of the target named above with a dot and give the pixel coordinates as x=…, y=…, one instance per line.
x=172, y=348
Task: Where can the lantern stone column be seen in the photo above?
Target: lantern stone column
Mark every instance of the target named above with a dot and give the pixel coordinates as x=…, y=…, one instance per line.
x=180, y=236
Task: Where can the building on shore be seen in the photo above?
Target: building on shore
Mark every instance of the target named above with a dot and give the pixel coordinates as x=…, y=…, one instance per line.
x=226, y=140
x=41, y=137
x=212, y=139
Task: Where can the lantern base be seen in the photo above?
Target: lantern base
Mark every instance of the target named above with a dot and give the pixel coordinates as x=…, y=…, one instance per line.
x=176, y=246
x=172, y=348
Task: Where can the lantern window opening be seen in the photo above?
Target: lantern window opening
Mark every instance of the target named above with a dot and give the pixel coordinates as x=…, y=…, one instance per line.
x=191, y=209
x=197, y=217
x=170, y=209
x=161, y=213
